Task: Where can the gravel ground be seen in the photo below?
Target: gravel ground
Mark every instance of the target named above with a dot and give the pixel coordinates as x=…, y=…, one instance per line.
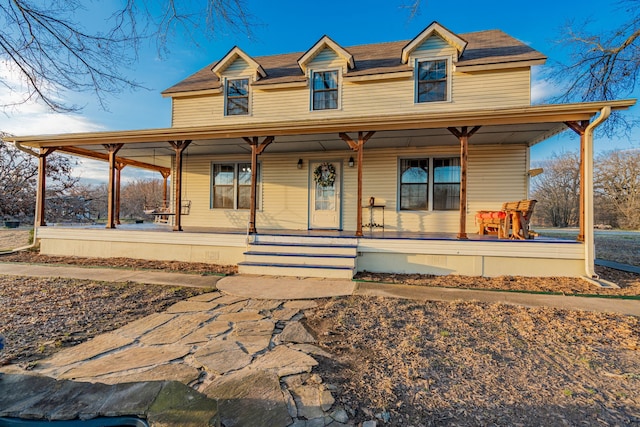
x=472, y=364
x=40, y=316
x=402, y=362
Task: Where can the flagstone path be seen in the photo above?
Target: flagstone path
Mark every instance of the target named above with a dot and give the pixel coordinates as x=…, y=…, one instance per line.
x=254, y=357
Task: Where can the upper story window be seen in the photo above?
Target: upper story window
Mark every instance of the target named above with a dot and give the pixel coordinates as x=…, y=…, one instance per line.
x=237, y=97
x=432, y=83
x=325, y=90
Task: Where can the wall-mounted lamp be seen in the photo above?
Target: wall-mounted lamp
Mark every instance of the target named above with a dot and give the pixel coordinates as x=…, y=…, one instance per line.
x=299, y=163
x=351, y=161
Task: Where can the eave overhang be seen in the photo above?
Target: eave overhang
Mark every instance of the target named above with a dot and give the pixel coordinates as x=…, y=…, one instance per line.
x=554, y=114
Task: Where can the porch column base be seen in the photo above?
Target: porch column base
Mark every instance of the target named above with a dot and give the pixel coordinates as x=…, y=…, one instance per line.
x=462, y=236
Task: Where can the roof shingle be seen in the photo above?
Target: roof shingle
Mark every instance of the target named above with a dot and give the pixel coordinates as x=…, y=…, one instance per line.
x=484, y=48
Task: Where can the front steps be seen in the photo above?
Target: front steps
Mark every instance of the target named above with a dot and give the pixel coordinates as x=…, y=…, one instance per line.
x=301, y=256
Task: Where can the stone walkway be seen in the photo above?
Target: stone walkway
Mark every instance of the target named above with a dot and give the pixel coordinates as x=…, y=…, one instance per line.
x=254, y=357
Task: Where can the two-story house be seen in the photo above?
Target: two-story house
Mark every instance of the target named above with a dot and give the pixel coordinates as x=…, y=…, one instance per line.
x=342, y=159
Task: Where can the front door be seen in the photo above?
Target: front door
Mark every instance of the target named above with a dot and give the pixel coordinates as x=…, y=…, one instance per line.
x=324, y=200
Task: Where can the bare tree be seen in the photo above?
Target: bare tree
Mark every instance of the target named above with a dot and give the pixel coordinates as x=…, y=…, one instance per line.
x=19, y=174
x=51, y=52
x=138, y=195
x=557, y=190
x=617, y=176
x=602, y=66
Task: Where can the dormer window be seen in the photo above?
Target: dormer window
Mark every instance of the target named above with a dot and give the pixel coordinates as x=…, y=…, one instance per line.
x=237, y=97
x=432, y=82
x=325, y=90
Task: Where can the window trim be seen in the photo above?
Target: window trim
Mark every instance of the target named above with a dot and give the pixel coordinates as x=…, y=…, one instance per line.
x=416, y=81
x=430, y=183
x=338, y=88
x=226, y=96
x=236, y=186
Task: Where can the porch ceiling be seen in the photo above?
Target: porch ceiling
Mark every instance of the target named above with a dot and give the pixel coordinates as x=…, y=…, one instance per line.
x=528, y=125
x=498, y=134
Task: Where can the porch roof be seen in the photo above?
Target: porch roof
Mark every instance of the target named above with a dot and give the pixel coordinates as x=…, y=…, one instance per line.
x=524, y=125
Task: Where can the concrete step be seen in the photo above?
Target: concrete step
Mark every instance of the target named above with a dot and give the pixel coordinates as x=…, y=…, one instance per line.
x=305, y=240
x=300, y=258
x=295, y=270
x=306, y=248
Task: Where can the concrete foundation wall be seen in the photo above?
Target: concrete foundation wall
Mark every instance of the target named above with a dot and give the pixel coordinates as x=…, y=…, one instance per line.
x=214, y=249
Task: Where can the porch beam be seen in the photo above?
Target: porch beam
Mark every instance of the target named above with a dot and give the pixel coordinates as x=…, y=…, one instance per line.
x=463, y=135
x=178, y=147
x=42, y=185
x=580, y=128
x=83, y=152
x=112, y=149
x=257, y=148
x=358, y=147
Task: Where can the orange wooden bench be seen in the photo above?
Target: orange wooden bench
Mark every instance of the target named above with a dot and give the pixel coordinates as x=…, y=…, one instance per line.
x=511, y=221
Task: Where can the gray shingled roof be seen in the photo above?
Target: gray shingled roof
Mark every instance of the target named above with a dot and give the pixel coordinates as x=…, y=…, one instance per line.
x=483, y=48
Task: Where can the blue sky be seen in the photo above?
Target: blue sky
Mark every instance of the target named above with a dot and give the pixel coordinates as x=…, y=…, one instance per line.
x=294, y=26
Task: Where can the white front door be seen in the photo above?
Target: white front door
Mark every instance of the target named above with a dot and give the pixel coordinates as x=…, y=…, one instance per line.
x=324, y=195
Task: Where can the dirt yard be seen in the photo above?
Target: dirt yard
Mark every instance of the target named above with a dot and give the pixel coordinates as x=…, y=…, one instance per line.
x=404, y=363
x=470, y=364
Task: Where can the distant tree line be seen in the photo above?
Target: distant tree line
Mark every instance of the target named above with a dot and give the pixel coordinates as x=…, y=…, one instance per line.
x=616, y=190
x=67, y=198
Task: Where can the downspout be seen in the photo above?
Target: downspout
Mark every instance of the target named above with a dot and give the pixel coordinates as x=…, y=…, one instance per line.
x=35, y=227
x=589, y=246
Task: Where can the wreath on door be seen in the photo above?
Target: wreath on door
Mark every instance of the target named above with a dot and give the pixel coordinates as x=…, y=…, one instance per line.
x=325, y=174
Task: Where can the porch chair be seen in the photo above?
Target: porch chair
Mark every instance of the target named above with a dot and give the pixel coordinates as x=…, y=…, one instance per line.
x=493, y=222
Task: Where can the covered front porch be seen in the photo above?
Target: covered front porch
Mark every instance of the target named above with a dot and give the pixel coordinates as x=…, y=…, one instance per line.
x=368, y=153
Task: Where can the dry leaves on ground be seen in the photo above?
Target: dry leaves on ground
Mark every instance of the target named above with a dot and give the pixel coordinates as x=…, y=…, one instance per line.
x=34, y=257
x=465, y=363
x=629, y=282
x=38, y=316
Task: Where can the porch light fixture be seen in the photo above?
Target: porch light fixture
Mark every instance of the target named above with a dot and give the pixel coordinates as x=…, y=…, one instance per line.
x=299, y=163
x=351, y=161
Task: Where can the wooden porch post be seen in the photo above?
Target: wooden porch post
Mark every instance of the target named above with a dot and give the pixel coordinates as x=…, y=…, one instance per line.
x=165, y=175
x=463, y=135
x=179, y=147
x=359, y=148
x=256, y=149
x=42, y=185
x=112, y=149
x=119, y=167
x=579, y=128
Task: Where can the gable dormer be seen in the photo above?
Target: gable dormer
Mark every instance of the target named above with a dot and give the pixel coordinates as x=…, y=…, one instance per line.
x=234, y=56
x=435, y=29
x=236, y=72
x=325, y=43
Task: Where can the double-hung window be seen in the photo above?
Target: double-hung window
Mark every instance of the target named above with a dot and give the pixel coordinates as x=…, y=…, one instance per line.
x=446, y=184
x=236, y=97
x=429, y=184
x=231, y=185
x=324, y=95
x=432, y=82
